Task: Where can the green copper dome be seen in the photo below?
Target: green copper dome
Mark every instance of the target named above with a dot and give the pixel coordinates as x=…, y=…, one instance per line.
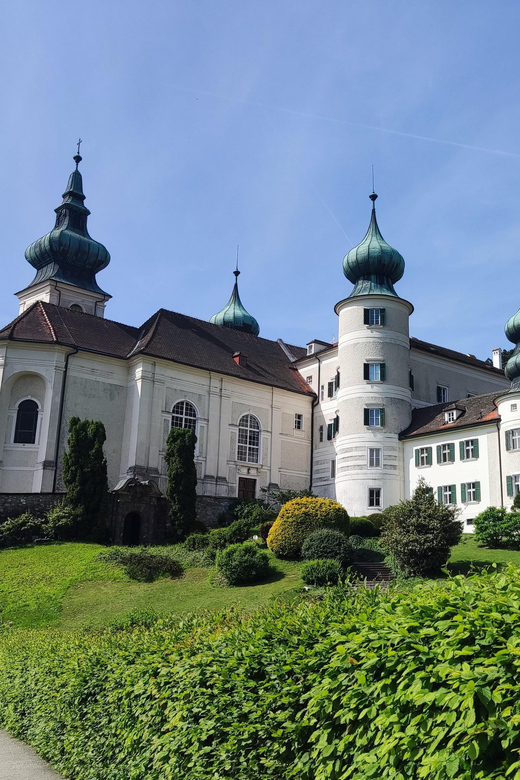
x=512, y=369
x=68, y=253
x=233, y=315
x=373, y=266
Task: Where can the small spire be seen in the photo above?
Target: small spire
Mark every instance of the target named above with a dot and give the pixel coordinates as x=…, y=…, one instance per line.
x=234, y=315
x=77, y=157
x=236, y=271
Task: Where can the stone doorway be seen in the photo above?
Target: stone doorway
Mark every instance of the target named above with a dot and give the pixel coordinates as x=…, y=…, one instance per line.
x=132, y=529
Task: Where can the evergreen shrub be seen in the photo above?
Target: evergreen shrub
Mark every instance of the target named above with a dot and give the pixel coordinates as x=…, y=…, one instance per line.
x=243, y=563
x=299, y=518
x=264, y=530
x=217, y=540
x=20, y=530
x=356, y=541
x=321, y=572
x=182, y=481
x=62, y=521
x=328, y=543
x=197, y=542
x=240, y=530
x=495, y=527
x=144, y=565
x=362, y=526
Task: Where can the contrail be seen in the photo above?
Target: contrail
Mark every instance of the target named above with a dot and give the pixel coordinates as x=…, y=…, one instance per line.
x=281, y=109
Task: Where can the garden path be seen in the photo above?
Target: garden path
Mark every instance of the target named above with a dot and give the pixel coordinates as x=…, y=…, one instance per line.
x=19, y=761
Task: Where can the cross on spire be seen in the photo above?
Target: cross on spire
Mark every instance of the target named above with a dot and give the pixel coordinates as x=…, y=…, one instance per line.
x=77, y=157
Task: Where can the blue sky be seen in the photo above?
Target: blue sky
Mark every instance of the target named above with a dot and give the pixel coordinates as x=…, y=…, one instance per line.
x=212, y=123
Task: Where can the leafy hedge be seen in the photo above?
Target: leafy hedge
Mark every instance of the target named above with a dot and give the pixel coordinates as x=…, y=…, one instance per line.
x=422, y=682
x=496, y=527
x=321, y=572
x=328, y=543
x=299, y=518
x=243, y=563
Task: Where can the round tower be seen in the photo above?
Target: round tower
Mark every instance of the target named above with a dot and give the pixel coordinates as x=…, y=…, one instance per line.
x=374, y=399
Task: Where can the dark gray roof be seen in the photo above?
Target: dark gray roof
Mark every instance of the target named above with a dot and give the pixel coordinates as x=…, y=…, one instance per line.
x=166, y=335
x=476, y=410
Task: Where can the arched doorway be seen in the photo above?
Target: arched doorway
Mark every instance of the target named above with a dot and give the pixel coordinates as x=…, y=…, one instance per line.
x=132, y=529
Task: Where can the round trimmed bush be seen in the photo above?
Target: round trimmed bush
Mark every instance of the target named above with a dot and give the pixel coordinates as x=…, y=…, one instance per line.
x=217, y=540
x=362, y=526
x=243, y=563
x=321, y=572
x=196, y=542
x=299, y=518
x=356, y=541
x=240, y=530
x=328, y=543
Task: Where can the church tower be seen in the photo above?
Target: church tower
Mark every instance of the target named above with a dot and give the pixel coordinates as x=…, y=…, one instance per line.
x=374, y=399
x=67, y=259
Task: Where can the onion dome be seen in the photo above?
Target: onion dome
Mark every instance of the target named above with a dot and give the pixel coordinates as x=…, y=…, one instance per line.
x=373, y=266
x=233, y=315
x=512, y=369
x=68, y=253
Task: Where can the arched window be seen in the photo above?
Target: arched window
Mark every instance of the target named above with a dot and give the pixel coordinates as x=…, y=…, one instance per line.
x=248, y=439
x=184, y=415
x=75, y=307
x=26, y=422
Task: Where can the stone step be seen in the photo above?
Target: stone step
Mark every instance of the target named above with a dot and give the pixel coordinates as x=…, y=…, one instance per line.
x=373, y=571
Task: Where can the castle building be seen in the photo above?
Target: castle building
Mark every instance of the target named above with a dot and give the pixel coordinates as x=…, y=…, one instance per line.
x=359, y=420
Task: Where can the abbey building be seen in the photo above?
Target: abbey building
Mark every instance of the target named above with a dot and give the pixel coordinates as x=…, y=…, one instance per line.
x=359, y=420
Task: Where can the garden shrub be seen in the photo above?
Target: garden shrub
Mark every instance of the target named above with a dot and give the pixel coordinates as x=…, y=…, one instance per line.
x=495, y=527
x=322, y=572
x=21, y=530
x=356, y=541
x=420, y=533
x=144, y=565
x=299, y=518
x=217, y=540
x=362, y=526
x=264, y=530
x=197, y=542
x=414, y=682
x=182, y=481
x=328, y=543
x=243, y=563
x=240, y=530
x=62, y=521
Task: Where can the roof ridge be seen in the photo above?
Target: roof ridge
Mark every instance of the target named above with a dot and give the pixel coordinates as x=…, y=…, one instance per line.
x=47, y=320
x=58, y=312
x=145, y=339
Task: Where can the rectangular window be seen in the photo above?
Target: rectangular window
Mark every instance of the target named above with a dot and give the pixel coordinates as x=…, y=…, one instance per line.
x=470, y=492
x=374, y=457
x=469, y=449
x=450, y=416
x=322, y=392
x=321, y=433
x=330, y=389
x=469, y=521
x=411, y=380
x=310, y=349
x=515, y=485
x=374, y=418
x=514, y=407
x=513, y=439
x=425, y=456
x=447, y=494
x=445, y=453
x=333, y=469
x=442, y=394
x=374, y=372
x=309, y=380
x=298, y=422
x=374, y=317
x=374, y=497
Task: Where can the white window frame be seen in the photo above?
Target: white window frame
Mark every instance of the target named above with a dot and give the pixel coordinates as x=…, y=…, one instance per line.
x=469, y=447
x=446, y=495
x=247, y=444
x=445, y=453
x=372, y=414
x=450, y=416
x=310, y=349
x=514, y=407
x=373, y=465
x=184, y=416
x=471, y=489
x=372, y=317
x=374, y=505
x=14, y=409
x=308, y=379
x=423, y=457
x=516, y=483
x=374, y=368
x=298, y=421
x=515, y=438
x=444, y=392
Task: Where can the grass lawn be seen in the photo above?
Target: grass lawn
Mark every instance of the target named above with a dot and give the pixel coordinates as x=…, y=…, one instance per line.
x=468, y=555
x=63, y=585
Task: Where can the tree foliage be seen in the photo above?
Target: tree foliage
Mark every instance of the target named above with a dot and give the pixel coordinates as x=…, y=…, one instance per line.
x=299, y=518
x=419, y=533
x=182, y=480
x=85, y=477
x=495, y=527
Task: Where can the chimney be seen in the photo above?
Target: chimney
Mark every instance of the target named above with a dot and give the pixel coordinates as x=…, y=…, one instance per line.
x=240, y=359
x=497, y=358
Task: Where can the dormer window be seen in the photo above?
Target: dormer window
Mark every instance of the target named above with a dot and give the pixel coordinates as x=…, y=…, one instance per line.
x=450, y=416
x=310, y=349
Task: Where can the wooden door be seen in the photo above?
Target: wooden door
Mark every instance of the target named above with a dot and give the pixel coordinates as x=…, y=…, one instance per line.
x=246, y=487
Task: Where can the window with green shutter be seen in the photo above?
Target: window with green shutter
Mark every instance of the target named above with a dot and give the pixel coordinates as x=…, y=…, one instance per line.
x=463, y=492
x=477, y=491
x=366, y=371
x=462, y=450
x=382, y=417
x=366, y=416
x=439, y=453
x=509, y=481
x=452, y=453
x=508, y=441
x=439, y=495
x=453, y=494
x=330, y=431
x=475, y=448
x=417, y=457
x=423, y=456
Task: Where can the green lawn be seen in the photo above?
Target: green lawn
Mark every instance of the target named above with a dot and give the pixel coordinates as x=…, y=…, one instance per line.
x=63, y=585
x=468, y=555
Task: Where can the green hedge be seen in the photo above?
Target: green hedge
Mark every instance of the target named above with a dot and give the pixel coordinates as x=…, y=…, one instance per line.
x=422, y=682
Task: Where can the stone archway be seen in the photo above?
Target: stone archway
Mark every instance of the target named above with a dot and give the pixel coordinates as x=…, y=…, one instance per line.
x=132, y=529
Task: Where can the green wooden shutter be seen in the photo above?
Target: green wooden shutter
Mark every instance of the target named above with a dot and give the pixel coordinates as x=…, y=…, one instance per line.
x=382, y=316
x=453, y=494
x=417, y=458
x=439, y=395
x=452, y=453
x=429, y=456
x=439, y=453
x=330, y=389
x=336, y=425
x=475, y=448
x=366, y=415
x=337, y=380
x=366, y=369
x=366, y=316
x=330, y=431
x=463, y=492
x=462, y=450
x=477, y=491
x=382, y=369
x=509, y=481
x=382, y=417
x=439, y=495
x=508, y=444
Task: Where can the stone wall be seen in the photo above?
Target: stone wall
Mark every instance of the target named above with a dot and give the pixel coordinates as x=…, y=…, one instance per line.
x=15, y=504
x=209, y=507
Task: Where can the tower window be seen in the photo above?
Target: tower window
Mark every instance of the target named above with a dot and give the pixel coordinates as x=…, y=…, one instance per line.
x=333, y=469
x=374, y=316
x=374, y=497
x=75, y=307
x=26, y=422
x=374, y=457
x=374, y=372
x=321, y=433
x=374, y=418
x=513, y=439
x=248, y=439
x=184, y=415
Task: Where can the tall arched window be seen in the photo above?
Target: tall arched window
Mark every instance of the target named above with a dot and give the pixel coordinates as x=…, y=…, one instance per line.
x=184, y=415
x=248, y=439
x=26, y=422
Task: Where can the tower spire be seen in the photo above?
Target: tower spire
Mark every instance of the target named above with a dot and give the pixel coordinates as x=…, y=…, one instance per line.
x=234, y=315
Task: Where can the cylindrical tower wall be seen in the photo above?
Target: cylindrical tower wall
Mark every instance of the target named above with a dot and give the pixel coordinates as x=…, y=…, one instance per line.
x=366, y=481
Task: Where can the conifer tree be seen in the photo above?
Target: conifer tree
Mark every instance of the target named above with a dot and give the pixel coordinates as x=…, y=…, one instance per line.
x=182, y=480
x=85, y=477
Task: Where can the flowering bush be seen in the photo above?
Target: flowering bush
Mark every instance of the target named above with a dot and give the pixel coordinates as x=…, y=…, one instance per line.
x=299, y=518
